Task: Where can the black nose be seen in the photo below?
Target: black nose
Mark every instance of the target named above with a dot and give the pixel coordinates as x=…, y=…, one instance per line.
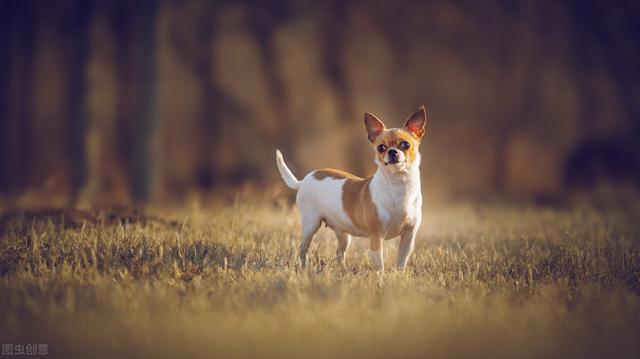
x=393, y=152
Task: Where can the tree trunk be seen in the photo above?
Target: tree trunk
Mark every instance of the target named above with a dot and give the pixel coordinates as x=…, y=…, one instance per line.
x=77, y=95
x=20, y=131
x=146, y=108
x=262, y=20
x=5, y=72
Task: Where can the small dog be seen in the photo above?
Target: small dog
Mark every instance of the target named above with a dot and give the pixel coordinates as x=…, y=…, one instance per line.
x=382, y=206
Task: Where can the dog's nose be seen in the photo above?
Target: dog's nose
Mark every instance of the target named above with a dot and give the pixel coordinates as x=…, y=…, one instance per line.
x=393, y=152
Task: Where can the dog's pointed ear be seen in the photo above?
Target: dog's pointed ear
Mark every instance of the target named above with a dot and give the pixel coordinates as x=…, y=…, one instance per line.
x=416, y=122
x=373, y=126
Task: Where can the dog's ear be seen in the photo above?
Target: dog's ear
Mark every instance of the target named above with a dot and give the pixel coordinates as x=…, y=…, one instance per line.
x=373, y=125
x=415, y=123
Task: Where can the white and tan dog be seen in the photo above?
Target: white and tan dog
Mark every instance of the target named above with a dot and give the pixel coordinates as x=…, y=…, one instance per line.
x=382, y=206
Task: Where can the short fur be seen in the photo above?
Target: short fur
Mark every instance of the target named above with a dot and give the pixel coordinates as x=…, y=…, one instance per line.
x=382, y=206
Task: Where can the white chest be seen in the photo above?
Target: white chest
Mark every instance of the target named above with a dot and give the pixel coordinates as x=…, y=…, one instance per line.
x=398, y=200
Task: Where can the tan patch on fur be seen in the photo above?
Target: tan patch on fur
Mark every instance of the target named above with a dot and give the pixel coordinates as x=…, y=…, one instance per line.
x=392, y=138
x=358, y=204
x=356, y=199
x=333, y=173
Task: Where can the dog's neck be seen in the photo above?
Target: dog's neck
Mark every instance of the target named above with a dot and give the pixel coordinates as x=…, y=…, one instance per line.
x=399, y=185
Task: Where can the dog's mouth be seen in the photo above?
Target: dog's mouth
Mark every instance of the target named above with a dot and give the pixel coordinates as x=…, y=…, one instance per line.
x=392, y=161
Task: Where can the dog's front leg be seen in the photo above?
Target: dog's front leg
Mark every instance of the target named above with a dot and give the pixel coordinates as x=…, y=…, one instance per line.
x=407, y=240
x=375, y=252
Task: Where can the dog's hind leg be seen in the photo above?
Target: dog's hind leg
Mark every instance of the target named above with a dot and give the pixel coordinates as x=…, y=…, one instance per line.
x=310, y=225
x=344, y=240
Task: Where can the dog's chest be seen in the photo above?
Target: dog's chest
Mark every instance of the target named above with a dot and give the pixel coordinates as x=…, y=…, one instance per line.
x=397, y=206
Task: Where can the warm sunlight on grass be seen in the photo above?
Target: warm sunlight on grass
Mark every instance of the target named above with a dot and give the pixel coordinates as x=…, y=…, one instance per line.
x=485, y=280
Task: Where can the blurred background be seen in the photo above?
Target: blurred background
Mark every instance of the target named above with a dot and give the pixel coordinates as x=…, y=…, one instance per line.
x=122, y=102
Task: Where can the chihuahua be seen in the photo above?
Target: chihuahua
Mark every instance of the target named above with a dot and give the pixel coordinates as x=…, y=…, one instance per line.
x=382, y=206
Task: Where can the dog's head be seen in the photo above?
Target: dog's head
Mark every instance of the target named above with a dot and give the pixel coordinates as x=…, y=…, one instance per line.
x=396, y=148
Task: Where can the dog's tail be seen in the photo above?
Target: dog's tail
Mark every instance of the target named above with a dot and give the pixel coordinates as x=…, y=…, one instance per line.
x=285, y=172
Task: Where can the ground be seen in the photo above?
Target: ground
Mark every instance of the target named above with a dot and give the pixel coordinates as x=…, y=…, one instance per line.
x=485, y=280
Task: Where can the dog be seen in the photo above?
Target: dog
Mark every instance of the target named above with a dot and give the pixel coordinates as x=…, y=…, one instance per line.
x=382, y=206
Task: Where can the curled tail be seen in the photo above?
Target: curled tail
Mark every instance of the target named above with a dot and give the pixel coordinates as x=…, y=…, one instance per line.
x=285, y=172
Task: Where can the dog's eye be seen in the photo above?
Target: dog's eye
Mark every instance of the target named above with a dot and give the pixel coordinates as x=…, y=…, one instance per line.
x=382, y=148
x=405, y=145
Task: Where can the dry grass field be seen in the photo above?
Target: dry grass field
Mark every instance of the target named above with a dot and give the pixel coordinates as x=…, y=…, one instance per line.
x=486, y=280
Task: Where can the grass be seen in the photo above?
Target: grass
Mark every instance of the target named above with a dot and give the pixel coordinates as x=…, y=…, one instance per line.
x=485, y=280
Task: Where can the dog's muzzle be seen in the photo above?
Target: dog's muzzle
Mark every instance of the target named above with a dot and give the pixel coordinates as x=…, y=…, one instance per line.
x=393, y=157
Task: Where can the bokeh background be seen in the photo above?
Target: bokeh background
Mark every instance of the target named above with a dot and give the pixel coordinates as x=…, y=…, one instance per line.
x=121, y=102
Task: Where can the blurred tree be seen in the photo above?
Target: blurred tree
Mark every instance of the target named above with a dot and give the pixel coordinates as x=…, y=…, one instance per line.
x=262, y=20
x=19, y=134
x=605, y=35
x=146, y=93
x=78, y=29
x=334, y=16
x=515, y=81
x=122, y=18
x=5, y=75
x=613, y=30
x=192, y=40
